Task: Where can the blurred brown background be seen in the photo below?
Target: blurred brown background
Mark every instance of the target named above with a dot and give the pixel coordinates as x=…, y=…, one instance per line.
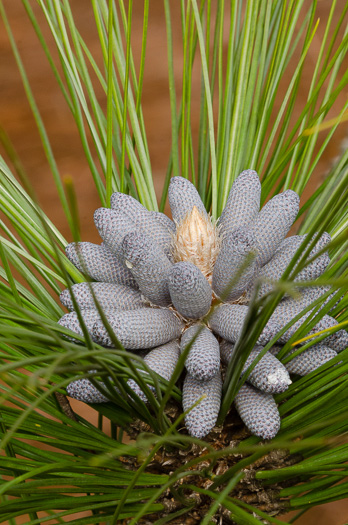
x=17, y=120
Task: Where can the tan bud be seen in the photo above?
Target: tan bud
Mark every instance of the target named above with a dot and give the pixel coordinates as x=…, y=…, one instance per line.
x=197, y=241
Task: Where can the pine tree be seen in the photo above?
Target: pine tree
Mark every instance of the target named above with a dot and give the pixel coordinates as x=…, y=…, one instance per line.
x=192, y=440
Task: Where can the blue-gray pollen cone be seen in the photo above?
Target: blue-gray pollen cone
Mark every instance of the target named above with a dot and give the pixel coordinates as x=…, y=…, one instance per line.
x=311, y=294
x=226, y=351
x=139, y=329
x=71, y=321
x=84, y=390
x=99, y=263
x=144, y=220
x=163, y=219
x=309, y=360
x=227, y=321
x=112, y=227
x=272, y=224
x=233, y=272
x=183, y=196
x=107, y=295
x=268, y=375
x=317, y=267
x=123, y=202
x=189, y=290
x=338, y=341
x=275, y=268
x=203, y=359
x=288, y=309
x=243, y=203
x=149, y=267
x=202, y=418
x=258, y=411
x=307, y=296
x=161, y=360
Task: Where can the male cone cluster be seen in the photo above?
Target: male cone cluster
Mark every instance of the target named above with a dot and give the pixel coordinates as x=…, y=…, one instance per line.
x=182, y=285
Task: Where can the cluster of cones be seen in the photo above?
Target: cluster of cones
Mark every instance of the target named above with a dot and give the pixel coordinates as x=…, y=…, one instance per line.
x=183, y=285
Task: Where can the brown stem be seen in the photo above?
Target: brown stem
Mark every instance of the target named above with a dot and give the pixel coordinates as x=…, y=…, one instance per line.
x=65, y=406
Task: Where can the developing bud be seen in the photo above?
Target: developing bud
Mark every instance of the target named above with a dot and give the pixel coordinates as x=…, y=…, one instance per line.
x=197, y=241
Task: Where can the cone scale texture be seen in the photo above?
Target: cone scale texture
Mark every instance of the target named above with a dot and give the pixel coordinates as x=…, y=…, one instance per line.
x=107, y=295
x=189, y=290
x=183, y=196
x=243, y=203
x=258, y=411
x=268, y=375
x=113, y=226
x=203, y=359
x=71, y=321
x=142, y=219
x=227, y=321
x=161, y=360
x=288, y=309
x=275, y=268
x=149, y=267
x=309, y=360
x=139, y=329
x=202, y=418
x=273, y=223
x=84, y=390
x=164, y=220
x=99, y=263
x=229, y=278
